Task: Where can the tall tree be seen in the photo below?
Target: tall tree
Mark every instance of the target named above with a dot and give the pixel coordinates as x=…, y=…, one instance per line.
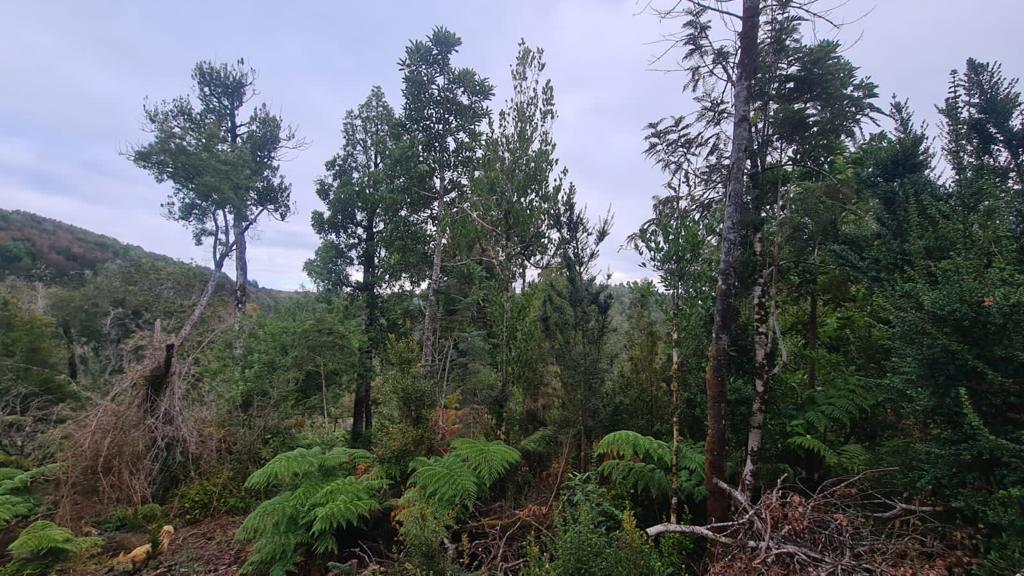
x=735, y=186
x=224, y=166
x=574, y=319
x=443, y=113
x=513, y=195
x=365, y=225
x=674, y=245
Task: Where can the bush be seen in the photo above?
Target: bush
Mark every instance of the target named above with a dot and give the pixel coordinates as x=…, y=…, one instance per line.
x=16, y=498
x=219, y=493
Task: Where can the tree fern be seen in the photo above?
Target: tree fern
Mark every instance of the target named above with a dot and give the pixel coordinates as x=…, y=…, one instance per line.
x=825, y=423
x=319, y=494
x=443, y=488
x=465, y=473
x=641, y=464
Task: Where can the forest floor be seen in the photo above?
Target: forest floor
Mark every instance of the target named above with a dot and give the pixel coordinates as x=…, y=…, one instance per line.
x=207, y=547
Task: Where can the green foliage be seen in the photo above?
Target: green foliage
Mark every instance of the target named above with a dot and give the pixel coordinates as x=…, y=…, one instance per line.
x=138, y=519
x=17, y=500
x=455, y=481
x=827, y=418
x=318, y=493
x=442, y=489
x=32, y=362
x=43, y=545
x=211, y=495
x=641, y=464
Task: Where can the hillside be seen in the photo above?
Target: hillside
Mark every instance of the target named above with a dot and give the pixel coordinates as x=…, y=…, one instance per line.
x=34, y=247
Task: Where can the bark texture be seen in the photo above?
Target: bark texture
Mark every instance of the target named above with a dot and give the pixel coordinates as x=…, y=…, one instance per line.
x=718, y=352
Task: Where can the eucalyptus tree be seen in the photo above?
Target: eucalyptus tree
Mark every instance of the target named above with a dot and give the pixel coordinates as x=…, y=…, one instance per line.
x=367, y=226
x=223, y=165
x=442, y=116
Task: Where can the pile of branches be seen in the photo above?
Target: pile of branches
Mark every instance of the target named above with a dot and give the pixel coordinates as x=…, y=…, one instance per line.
x=843, y=527
x=117, y=453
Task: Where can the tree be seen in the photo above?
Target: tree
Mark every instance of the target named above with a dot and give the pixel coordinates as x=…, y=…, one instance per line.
x=366, y=224
x=674, y=245
x=444, y=108
x=574, y=319
x=718, y=352
x=512, y=196
x=224, y=168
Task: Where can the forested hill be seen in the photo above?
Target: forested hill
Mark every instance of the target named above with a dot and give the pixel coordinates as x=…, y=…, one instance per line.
x=55, y=251
x=34, y=247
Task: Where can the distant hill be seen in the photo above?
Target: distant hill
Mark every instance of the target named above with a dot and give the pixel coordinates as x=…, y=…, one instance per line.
x=38, y=248
x=50, y=250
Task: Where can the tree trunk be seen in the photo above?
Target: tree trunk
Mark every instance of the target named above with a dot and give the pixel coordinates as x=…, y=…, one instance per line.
x=241, y=268
x=674, y=502
x=204, y=299
x=718, y=353
x=762, y=344
x=812, y=335
x=430, y=315
x=362, y=409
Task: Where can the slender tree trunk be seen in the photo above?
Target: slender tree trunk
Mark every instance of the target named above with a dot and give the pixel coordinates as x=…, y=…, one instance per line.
x=362, y=409
x=762, y=344
x=674, y=503
x=812, y=335
x=323, y=393
x=430, y=315
x=241, y=268
x=204, y=299
x=718, y=353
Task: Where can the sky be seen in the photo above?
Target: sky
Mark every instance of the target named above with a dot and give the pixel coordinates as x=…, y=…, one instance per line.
x=74, y=76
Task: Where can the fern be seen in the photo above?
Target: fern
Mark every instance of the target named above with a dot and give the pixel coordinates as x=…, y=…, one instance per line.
x=16, y=498
x=641, y=464
x=443, y=488
x=826, y=421
x=43, y=546
x=626, y=444
x=539, y=444
x=463, y=475
x=319, y=494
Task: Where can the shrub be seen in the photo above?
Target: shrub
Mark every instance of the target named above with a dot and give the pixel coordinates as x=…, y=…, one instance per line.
x=218, y=493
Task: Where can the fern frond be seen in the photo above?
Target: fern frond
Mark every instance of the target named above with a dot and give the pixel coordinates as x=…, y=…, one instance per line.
x=46, y=540
x=446, y=481
x=488, y=460
x=636, y=477
x=626, y=444
x=539, y=443
x=287, y=469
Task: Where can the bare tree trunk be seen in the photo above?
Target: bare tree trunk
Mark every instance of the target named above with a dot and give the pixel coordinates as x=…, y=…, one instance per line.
x=204, y=299
x=674, y=502
x=762, y=344
x=323, y=392
x=241, y=268
x=718, y=353
x=812, y=328
x=430, y=315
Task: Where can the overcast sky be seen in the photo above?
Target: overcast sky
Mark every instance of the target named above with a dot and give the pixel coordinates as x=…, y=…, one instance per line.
x=73, y=77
